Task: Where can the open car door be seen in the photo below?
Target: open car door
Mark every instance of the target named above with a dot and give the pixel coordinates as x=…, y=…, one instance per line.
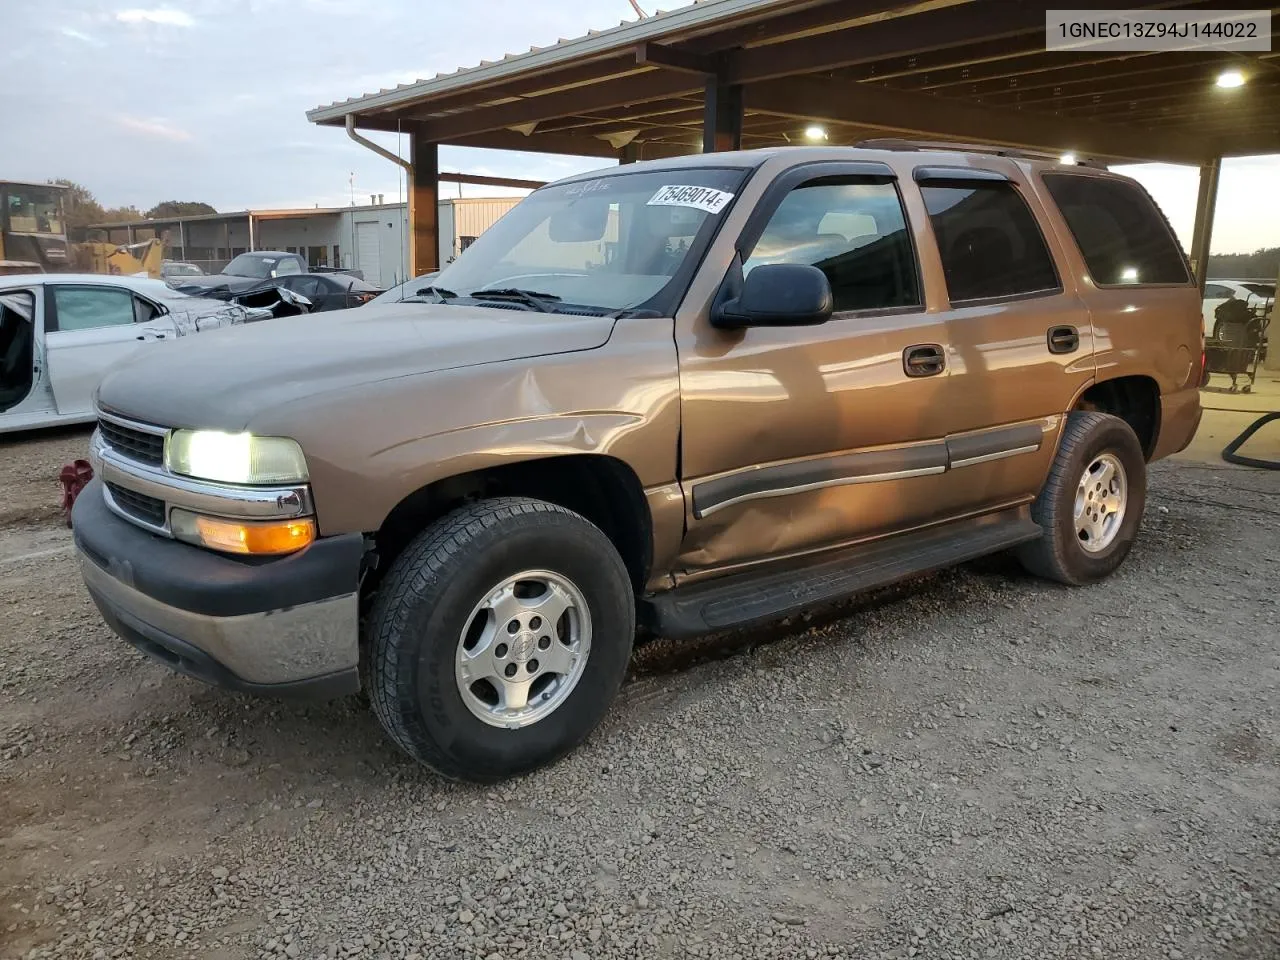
x=17, y=348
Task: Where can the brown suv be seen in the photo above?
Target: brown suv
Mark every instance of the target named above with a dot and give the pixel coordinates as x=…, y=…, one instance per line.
x=698, y=393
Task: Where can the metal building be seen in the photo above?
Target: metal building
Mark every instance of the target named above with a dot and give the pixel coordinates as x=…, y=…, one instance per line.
x=371, y=238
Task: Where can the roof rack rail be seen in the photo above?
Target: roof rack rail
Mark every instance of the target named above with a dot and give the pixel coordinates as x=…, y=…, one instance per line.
x=895, y=143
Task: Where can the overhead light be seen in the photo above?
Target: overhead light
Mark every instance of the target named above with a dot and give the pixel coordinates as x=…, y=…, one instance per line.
x=1068, y=158
x=1230, y=79
x=815, y=133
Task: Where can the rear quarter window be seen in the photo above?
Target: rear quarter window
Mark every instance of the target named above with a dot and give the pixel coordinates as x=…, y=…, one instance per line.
x=1121, y=233
x=989, y=241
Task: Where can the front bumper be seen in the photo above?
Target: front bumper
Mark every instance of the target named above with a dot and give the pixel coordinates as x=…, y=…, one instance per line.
x=281, y=626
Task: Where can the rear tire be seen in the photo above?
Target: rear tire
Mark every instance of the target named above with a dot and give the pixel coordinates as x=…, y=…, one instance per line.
x=465, y=676
x=1091, y=506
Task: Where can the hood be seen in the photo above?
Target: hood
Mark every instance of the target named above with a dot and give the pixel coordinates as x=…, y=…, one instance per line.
x=222, y=378
x=207, y=286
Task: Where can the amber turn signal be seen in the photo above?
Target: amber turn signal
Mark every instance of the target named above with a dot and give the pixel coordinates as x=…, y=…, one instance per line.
x=257, y=538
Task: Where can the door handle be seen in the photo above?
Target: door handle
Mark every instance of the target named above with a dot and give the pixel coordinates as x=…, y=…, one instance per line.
x=924, y=360
x=1064, y=339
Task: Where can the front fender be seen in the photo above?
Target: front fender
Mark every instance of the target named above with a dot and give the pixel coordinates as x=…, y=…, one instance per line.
x=363, y=502
x=371, y=446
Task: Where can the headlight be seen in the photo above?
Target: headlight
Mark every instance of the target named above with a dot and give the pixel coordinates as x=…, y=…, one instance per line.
x=235, y=457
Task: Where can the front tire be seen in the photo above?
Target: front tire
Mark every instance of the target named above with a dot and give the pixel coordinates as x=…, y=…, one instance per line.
x=499, y=638
x=1091, y=506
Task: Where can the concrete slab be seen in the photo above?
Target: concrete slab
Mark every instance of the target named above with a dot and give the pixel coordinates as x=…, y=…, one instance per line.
x=1226, y=415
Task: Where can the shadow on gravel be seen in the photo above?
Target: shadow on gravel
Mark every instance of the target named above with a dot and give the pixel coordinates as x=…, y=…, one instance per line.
x=657, y=656
x=338, y=738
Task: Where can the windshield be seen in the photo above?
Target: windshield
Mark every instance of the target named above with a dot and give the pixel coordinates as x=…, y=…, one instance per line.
x=613, y=243
x=159, y=290
x=31, y=209
x=409, y=288
x=1267, y=290
x=250, y=265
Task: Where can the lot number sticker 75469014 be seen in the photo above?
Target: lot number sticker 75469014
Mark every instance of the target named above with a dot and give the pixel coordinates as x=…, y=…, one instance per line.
x=700, y=198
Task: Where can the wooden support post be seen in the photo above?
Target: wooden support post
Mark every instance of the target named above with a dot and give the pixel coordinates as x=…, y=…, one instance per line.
x=630, y=153
x=424, y=211
x=721, y=117
x=1202, y=235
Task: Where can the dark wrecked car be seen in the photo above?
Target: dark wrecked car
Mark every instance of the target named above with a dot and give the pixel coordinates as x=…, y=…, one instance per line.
x=280, y=282
x=246, y=272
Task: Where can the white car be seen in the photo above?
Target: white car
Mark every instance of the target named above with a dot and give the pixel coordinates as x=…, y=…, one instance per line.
x=60, y=332
x=1254, y=293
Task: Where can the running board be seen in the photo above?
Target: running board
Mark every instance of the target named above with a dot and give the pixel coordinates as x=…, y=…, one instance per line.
x=758, y=596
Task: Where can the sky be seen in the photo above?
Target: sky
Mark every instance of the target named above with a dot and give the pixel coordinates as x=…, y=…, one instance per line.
x=206, y=100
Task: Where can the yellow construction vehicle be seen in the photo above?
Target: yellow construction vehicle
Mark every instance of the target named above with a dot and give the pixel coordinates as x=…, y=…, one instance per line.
x=33, y=238
x=130, y=260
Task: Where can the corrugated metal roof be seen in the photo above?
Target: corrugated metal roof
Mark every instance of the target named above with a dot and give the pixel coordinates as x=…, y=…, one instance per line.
x=699, y=13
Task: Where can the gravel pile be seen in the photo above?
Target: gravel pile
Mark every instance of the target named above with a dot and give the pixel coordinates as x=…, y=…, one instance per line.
x=975, y=766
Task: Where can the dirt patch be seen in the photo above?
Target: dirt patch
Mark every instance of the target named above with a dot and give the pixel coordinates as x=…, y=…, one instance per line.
x=29, y=463
x=977, y=764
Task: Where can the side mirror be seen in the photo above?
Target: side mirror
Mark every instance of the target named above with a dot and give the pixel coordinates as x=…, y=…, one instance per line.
x=778, y=295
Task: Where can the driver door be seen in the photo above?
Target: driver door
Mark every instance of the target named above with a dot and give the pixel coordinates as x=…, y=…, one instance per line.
x=89, y=328
x=800, y=438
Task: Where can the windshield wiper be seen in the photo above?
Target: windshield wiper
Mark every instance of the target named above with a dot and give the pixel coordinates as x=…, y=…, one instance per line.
x=533, y=298
x=444, y=295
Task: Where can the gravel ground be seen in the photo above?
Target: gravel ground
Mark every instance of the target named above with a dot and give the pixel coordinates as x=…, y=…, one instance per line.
x=975, y=766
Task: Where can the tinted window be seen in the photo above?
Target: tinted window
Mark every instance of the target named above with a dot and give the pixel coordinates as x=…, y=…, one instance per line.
x=1215, y=291
x=990, y=243
x=853, y=232
x=1120, y=232
x=305, y=285
x=84, y=308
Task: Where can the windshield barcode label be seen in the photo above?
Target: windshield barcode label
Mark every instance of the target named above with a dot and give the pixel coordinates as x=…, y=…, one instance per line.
x=700, y=198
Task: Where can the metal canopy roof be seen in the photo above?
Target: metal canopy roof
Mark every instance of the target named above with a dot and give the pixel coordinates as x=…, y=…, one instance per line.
x=948, y=69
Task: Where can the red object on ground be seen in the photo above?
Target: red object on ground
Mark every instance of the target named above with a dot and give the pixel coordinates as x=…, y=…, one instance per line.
x=73, y=477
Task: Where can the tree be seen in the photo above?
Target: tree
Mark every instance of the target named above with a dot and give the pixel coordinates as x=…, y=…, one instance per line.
x=178, y=208
x=1263, y=264
x=121, y=214
x=79, y=207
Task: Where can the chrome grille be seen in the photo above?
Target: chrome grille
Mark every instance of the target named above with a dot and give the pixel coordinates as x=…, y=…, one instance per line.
x=139, y=506
x=132, y=443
